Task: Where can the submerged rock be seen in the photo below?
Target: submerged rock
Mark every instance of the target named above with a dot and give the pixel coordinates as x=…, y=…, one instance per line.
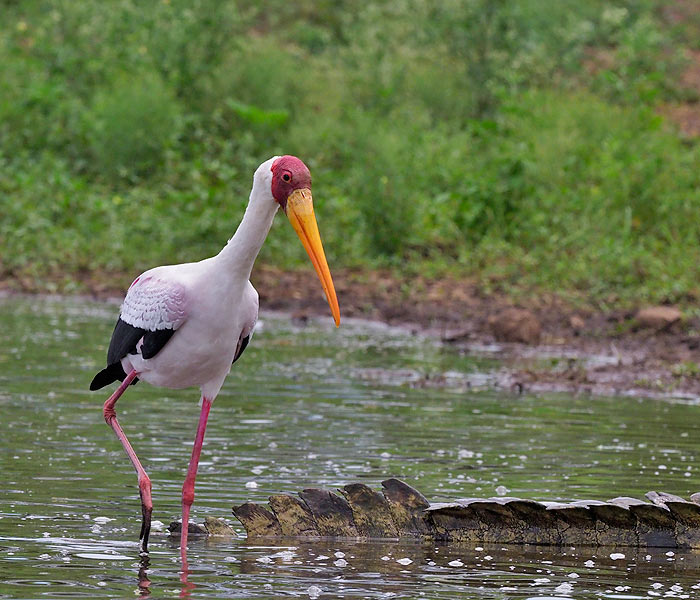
x=211, y=526
x=193, y=528
x=218, y=527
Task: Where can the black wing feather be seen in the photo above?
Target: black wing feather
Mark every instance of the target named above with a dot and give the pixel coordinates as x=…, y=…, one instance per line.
x=242, y=343
x=123, y=342
x=106, y=376
x=153, y=341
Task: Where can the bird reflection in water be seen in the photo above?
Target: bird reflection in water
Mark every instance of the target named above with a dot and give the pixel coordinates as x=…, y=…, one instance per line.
x=187, y=586
x=144, y=584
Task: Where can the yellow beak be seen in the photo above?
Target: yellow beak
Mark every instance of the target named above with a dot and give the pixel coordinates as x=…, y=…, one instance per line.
x=300, y=210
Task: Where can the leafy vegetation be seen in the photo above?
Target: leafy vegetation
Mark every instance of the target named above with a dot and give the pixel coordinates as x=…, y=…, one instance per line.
x=518, y=142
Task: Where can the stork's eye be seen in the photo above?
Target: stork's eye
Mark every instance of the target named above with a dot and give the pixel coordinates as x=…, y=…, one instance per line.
x=286, y=177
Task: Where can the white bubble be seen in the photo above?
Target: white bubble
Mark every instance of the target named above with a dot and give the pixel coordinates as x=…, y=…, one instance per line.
x=157, y=525
x=102, y=520
x=564, y=588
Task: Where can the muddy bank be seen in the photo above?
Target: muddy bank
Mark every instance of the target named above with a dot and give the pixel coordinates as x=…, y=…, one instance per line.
x=544, y=343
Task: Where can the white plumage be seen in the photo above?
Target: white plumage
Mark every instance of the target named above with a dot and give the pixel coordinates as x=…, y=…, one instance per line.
x=211, y=304
x=155, y=302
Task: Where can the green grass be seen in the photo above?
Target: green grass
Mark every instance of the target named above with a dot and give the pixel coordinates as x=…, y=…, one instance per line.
x=515, y=142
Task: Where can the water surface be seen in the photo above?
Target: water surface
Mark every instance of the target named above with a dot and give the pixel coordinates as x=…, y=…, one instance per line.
x=312, y=406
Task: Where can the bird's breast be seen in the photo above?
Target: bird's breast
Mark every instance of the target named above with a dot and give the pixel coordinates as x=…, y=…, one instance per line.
x=198, y=352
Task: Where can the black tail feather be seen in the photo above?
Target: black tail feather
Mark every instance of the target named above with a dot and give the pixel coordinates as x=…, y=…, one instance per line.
x=110, y=374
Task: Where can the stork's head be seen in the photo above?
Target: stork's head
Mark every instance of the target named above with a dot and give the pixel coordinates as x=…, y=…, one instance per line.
x=291, y=189
x=289, y=174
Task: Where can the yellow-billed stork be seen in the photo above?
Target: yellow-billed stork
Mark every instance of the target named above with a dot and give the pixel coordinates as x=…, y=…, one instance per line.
x=185, y=325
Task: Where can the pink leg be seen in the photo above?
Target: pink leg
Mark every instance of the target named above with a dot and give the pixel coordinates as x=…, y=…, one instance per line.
x=144, y=481
x=188, y=486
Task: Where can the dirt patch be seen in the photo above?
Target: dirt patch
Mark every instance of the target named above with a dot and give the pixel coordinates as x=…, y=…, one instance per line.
x=598, y=59
x=685, y=116
x=684, y=19
x=690, y=78
x=576, y=350
x=683, y=15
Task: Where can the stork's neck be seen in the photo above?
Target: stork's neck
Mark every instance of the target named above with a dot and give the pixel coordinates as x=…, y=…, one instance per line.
x=238, y=256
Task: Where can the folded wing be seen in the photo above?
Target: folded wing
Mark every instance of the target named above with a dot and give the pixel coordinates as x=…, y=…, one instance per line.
x=153, y=310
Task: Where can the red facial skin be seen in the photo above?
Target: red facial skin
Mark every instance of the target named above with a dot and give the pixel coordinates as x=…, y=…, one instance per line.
x=288, y=174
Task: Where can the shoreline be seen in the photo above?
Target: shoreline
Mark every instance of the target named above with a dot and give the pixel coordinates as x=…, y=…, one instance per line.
x=543, y=344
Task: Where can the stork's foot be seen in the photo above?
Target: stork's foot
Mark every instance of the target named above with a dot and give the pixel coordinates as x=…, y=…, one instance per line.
x=145, y=533
x=146, y=512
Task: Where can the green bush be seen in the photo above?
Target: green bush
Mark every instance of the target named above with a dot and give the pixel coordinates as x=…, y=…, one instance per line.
x=131, y=124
